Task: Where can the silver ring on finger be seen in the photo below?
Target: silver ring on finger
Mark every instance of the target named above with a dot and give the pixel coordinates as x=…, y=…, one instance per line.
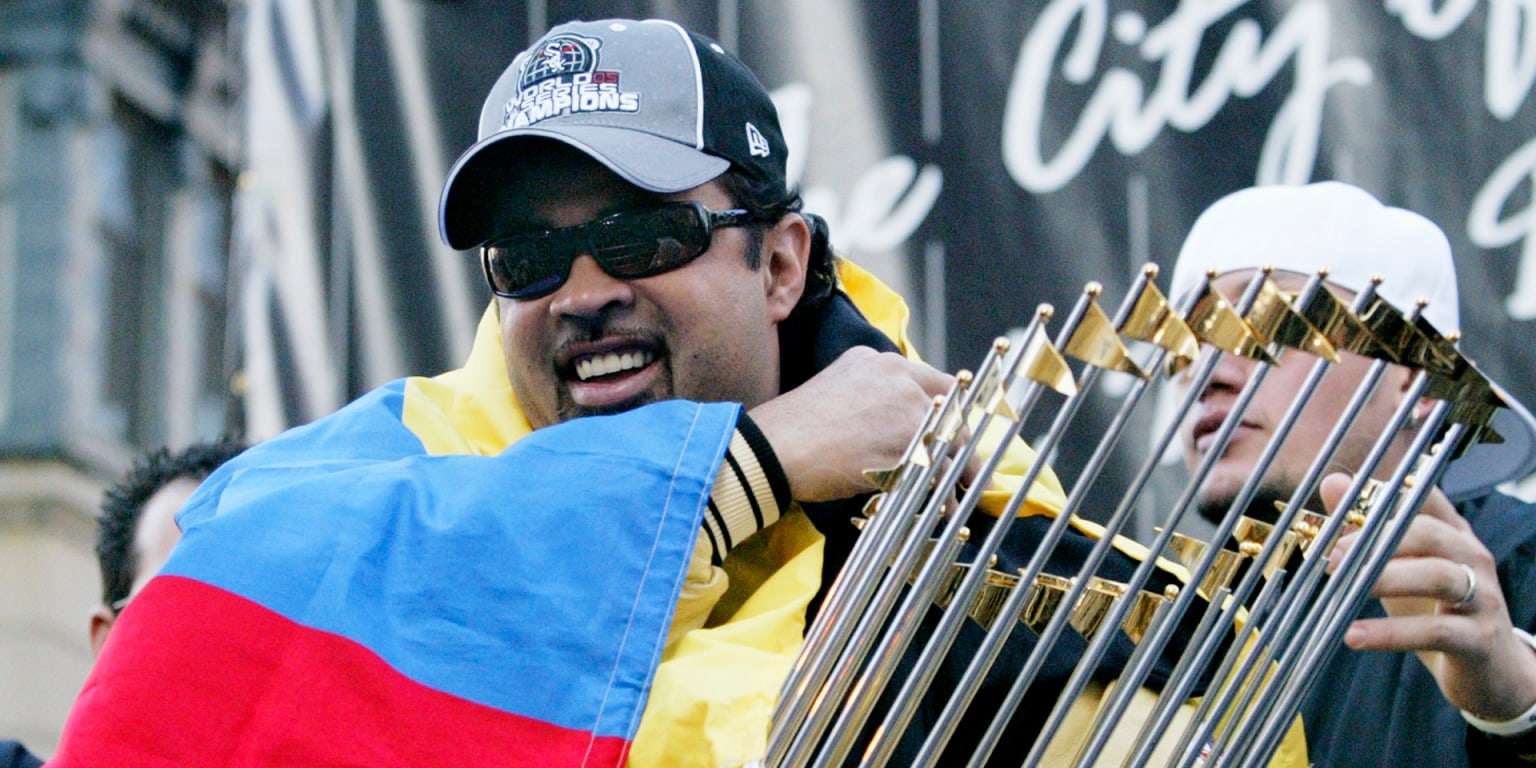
x=1471, y=593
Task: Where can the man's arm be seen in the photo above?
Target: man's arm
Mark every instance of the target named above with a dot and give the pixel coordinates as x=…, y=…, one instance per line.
x=1472, y=649
x=750, y=493
x=858, y=413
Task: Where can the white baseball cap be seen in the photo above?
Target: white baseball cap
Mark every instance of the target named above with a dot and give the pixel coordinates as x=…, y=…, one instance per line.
x=1335, y=226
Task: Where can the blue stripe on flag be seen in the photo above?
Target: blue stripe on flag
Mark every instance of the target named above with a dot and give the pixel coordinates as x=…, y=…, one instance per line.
x=540, y=581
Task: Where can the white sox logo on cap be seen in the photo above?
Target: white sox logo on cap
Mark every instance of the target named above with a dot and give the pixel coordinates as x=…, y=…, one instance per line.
x=560, y=55
x=561, y=77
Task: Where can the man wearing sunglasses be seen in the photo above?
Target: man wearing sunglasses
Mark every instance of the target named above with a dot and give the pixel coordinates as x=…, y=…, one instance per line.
x=600, y=540
x=638, y=257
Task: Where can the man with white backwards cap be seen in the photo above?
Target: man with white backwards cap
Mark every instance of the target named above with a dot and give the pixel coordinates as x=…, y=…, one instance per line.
x=1460, y=590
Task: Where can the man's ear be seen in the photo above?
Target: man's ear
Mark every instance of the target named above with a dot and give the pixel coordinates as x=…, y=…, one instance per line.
x=786, y=257
x=102, y=619
x=1404, y=383
x=1421, y=411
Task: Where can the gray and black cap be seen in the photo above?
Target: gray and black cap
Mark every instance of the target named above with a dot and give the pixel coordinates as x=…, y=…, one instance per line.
x=664, y=108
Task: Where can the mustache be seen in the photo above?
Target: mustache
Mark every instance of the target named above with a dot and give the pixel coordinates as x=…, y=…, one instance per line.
x=571, y=335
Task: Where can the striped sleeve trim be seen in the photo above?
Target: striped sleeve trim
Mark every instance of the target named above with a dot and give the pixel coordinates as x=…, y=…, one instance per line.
x=750, y=491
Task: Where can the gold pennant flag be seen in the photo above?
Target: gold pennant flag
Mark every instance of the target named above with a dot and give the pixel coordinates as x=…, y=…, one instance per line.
x=1333, y=318
x=1095, y=604
x=1471, y=394
x=1043, y=600
x=991, y=391
x=1442, y=357
x=884, y=479
x=1138, y=620
x=996, y=586
x=1189, y=551
x=1478, y=415
x=951, y=422
x=1154, y=322
x=1478, y=402
x=1096, y=343
x=1273, y=318
x=1215, y=321
x=1043, y=363
x=1400, y=341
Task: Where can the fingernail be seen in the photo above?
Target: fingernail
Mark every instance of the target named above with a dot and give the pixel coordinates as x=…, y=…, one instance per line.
x=1354, y=636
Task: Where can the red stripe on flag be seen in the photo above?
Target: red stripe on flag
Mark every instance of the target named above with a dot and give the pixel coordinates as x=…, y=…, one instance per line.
x=195, y=676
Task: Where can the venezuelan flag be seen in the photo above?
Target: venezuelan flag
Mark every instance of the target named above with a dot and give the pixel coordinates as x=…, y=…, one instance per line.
x=343, y=596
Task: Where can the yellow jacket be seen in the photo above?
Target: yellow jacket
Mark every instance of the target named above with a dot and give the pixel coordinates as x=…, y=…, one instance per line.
x=738, y=625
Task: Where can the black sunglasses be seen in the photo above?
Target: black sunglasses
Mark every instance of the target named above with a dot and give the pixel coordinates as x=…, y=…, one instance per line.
x=627, y=245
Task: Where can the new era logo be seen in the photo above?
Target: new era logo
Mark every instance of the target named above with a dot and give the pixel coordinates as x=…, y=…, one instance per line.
x=757, y=144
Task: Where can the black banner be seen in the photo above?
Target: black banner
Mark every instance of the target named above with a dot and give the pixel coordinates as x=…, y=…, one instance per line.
x=983, y=157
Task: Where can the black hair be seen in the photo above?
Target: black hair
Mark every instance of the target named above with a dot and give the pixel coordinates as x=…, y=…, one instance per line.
x=766, y=208
x=123, y=506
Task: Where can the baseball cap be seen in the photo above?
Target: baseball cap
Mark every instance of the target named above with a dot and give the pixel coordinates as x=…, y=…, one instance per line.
x=663, y=107
x=1344, y=229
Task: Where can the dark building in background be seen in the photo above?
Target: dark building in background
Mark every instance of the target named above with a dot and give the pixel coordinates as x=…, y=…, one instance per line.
x=118, y=150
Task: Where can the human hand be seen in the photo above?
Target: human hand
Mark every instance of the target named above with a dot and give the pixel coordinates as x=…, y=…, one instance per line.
x=1470, y=648
x=858, y=413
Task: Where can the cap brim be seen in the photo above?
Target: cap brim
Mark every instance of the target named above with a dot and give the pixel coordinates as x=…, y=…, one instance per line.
x=1486, y=465
x=650, y=162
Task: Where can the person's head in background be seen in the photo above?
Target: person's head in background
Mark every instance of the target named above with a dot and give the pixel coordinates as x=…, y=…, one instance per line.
x=1298, y=230
x=137, y=527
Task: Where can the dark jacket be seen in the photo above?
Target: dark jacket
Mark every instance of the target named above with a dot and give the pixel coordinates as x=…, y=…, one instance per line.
x=14, y=755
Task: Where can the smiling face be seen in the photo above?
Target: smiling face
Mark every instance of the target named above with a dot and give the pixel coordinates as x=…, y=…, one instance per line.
x=598, y=344
x=1267, y=410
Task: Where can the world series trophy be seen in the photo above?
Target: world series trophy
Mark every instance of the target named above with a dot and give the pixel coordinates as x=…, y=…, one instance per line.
x=1251, y=618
